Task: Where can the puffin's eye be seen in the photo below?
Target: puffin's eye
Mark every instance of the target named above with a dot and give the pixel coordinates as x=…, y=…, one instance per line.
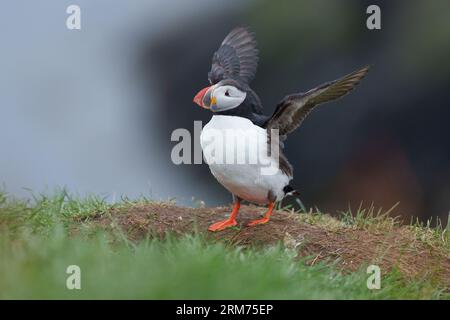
x=227, y=93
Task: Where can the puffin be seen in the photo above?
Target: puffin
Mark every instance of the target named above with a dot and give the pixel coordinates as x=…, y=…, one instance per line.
x=243, y=146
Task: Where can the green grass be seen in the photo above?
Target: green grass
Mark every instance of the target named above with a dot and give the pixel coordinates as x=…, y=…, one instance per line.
x=36, y=248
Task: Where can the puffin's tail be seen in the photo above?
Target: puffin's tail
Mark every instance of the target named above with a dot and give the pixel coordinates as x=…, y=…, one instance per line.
x=289, y=191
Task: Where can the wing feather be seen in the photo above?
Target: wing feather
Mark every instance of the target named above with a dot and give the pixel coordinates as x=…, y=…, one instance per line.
x=237, y=57
x=293, y=109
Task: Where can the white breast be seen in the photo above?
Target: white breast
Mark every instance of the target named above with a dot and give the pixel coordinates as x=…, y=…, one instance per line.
x=236, y=152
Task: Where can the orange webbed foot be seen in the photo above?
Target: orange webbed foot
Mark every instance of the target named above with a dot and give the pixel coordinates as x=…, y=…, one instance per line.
x=230, y=222
x=259, y=221
x=221, y=225
x=266, y=216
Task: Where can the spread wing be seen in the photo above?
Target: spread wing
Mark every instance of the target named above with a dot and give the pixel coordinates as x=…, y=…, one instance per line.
x=293, y=109
x=237, y=57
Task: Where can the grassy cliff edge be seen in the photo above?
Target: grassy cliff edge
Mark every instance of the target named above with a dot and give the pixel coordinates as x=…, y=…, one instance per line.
x=148, y=249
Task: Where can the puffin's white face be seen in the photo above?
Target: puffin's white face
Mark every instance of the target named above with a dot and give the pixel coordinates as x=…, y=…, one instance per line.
x=219, y=98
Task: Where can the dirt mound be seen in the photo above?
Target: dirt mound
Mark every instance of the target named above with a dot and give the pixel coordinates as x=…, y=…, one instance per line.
x=398, y=247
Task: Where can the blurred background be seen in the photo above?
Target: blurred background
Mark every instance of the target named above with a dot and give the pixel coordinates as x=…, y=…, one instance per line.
x=92, y=110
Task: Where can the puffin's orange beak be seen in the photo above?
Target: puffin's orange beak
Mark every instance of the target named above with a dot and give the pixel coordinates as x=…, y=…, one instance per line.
x=198, y=99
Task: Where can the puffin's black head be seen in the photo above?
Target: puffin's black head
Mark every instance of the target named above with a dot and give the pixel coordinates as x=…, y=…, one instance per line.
x=223, y=96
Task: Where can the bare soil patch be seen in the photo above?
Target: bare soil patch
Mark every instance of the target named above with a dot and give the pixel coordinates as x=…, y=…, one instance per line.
x=397, y=247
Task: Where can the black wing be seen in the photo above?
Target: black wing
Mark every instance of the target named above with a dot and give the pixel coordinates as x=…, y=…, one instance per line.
x=237, y=57
x=293, y=109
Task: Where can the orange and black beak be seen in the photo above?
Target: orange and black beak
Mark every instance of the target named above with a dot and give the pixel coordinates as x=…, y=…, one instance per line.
x=203, y=97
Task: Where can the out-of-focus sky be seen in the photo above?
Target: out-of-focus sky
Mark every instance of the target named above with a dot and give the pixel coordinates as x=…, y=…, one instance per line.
x=92, y=109
x=71, y=100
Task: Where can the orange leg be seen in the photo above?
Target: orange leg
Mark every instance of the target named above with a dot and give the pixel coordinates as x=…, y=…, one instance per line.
x=230, y=222
x=266, y=216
